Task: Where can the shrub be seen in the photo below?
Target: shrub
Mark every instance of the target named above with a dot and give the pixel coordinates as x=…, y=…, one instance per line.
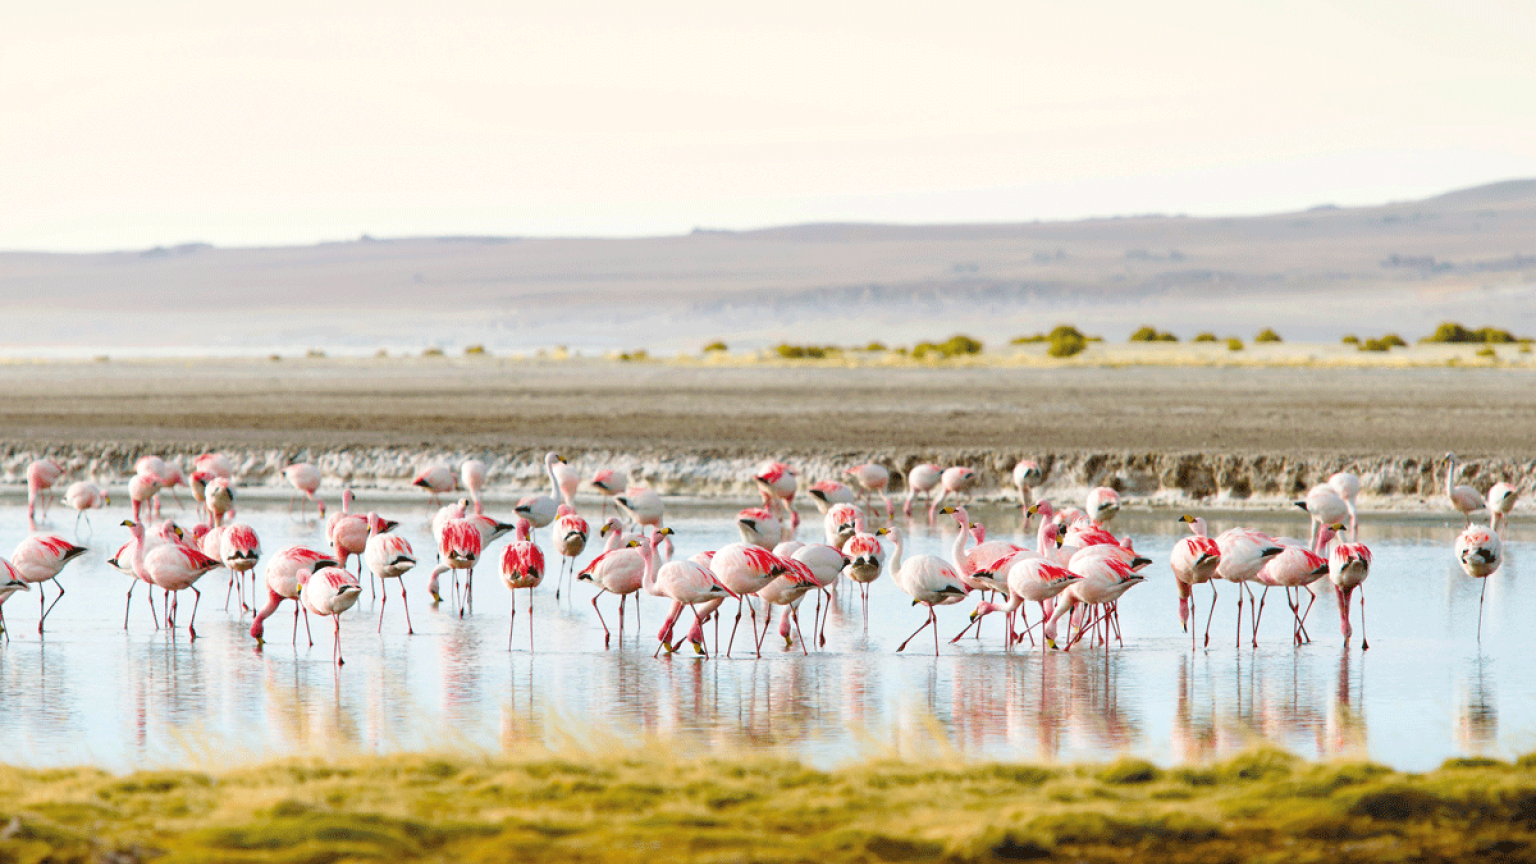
x=1207, y=337
x=876, y=345
x=1351, y=339
x=715, y=346
x=803, y=352
x=1487, y=352
x=314, y=352
x=1376, y=345
x=952, y=347
x=1268, y=335
x=1234, y=343
x=1455, y=333
x=432, y=352
x=474, y=351
x=1066, y=342
x=1394, y=340
x=637, y=354
x=1061, y=331
x=381, y=353
x=1152, y=334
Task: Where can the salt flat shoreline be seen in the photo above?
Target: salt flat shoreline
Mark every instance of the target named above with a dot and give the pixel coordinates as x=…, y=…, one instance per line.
x=1226, y=437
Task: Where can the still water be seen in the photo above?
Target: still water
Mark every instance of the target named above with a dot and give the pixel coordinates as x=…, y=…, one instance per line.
x=90, y=692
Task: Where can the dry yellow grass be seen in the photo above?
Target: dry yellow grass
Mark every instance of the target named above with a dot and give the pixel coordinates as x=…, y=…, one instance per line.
x=653, y=805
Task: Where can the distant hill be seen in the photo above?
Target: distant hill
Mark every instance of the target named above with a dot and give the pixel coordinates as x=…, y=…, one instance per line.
x=1468, y=255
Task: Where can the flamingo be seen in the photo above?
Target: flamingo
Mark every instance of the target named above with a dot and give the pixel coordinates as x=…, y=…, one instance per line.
x=826, y=565
x=956, y=480
x=1463, y=498
x=921, y=480
x=644, y=507
x=239, y=550
x=1296, y=567
x=1347, y=484
x=1104, y=580
x=282, y=578
x=745, y=569
x=621, y=572
x=829, y=492
x=760, y=527
x=842, y=522
x=1102, y=505
x=1326, y=506
x=1501, y=500
x=329, y=591
x=473, y=473
x=41, y=475
x=348, y=532
x=436, y=479
x=866, y=561
x=84, y=495
x=171, y=567
x=304, y=478
x=459, y=549
x=927, y=579
x=570, y=537
x=872, y=479
x=142, y=488
x=1348, y=565
x=216, y=464
x=787, y=590
x=165, y=532
x=1026, y=476
x=1243, y=553
x=9, y=584
x=609, y=483
x=389, y=556
x=1479, y=552
x=541, y=509
x=171, y=476
x=779, y=482
x=40, y=558
x=688, y=584
x=1194, y=561
x=522, y=566
x=218, y=500
x=1029, y=579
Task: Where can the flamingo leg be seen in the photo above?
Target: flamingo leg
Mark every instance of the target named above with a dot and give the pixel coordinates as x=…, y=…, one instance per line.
x=1365, y=644
x=794, y=616
x=530, y=619
x=296, y=622
x=511, y=623
x=1480, y=595
x=606, y=635
x=383, y=603
x=409, y=631
x=336, y=650
x=1257, y=613
x=129, y=605
x=197, y=599
x=732, y=642
x=929, y=620
x=308, y=633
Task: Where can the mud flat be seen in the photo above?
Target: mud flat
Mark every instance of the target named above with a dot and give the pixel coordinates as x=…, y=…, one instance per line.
x=1223, y=435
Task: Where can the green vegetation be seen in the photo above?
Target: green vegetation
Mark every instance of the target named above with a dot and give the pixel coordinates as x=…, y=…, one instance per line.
x=475, y=351
x=1268, y=335
x=637, y=354
x=1351, y=339
x=1066, y=341
x=876, y=345
x=432, y=352
x=1234, y=343
x=1062, y=331
x=315, y=353
x=1487, y=352
x=812, y=352
x=715, y=347
x=955, y=346
x=1152, y=334
x=1385, y=343
x=1451, y=332
x=1206, y=337
x=621, y=806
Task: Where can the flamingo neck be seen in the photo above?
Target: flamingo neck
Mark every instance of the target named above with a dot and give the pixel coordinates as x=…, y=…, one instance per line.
x=554, y=482
x=959, y=549
x=648, y=552
x=896, y=556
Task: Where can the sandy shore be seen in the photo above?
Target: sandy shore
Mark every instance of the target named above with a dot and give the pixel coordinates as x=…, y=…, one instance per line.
x=1198, y=431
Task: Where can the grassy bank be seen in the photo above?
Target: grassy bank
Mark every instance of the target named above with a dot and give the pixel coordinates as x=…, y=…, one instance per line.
x=1263, y=806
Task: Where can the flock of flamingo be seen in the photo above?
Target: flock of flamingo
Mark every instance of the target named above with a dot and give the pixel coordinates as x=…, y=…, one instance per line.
x=1077, y=570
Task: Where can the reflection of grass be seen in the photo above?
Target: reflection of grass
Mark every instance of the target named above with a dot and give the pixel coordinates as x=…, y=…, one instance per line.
x=651, y=804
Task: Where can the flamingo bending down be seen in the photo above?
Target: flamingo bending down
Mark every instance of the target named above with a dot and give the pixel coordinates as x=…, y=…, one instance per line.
x=1479, y=551
x=1243, y=553
x=216, y=464
x=1501, y=500
x=1325, y=505
x=829, y=492
x=41, y=475
x=218, y=500
x=1101, y=505
x=1463, y=498
x=927, y=579
x=1030, y=578
x=921, y=480
x=760, y=527
x=1104, y=579
x=1026, y=476
x=473, y=473
x=688, y=584
x=522, y=566
x=389, y=556
x=458, y=549
x=842, y=522
x=40, y=558
x=141, y=489
x=621, y=572
x=644, y=507
x=304, y=478
x=282, y=579
x=1296, y=567
x=1348, y=565
x=84, y=495
x=872, y=479
x=787, y=590
x=745, y=569
x=165, y=532
x=436, y=479
x=171, y=567
x=1194, y=561
x=609, y=483
x=956, y=480
x=330, y=591
x=1347, y=484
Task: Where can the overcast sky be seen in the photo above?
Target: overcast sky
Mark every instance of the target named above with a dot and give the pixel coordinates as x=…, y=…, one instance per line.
x=127, y=125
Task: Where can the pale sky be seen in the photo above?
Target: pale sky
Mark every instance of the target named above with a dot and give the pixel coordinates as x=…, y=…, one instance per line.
x=128, y=125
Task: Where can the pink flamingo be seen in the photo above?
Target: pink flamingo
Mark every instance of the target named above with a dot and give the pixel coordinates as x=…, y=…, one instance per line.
x=329, y=591
x=436, y=479
x=218, y=500
x=522, y=566
x=745, y=569
x=1026, y=476
x=760, y=527
x=458, y=549
x=142, y=488
x=1102, y=505
x=239, y=550
x=1296, y=567
x=609, y=483
x=829, y=492
x=621, y=572
x=10, y=584
x=778, y=482
x=388, y=556
x=956, y=480
x=1479, y=551
x=688, y=584
x=570, y=535
x=872, y=479
x=1501, y=501
x=921, y=480
x=216, y=464
x=1030, y=579
x=928, y=580
x=38, y=559
x=165, y=532
x=866, y=561
x=1463, y=498
x=541, y=509
x=304, y=478
x=1348, y=565
x=282, y=578
x=1104, y=580
x=473, y=473
x=1243, y=553
x=1347, y=484
x=84, y=495
x=171, y=567
x=787, y=590
x=41, y=475
x=1194, y=561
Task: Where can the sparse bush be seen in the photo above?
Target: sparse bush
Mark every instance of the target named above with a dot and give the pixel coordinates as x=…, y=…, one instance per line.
x=807, y=352
x=1525, y=346
x=1066, y=341
x=474, y=351
x=1152, y=334
x=1268, y=335
x=876, y=345
x=1234, y=343
x=1061, y=331
x=637, y=354
x=1376, y=345
x=432, y=352
x=1206, y=337
x=1487, y=352
x=1351, y=339
x=1394, y=340
x=961, y=344
x=715, y=347
x=1451, y=332
x=314, y=352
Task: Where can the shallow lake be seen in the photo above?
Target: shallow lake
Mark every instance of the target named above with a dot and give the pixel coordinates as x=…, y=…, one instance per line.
x=91, y=692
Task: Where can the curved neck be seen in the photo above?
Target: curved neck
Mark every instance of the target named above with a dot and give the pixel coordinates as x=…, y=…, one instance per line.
x=648, y=552
x=958, y=552
x=1043, y=538
x=554, y=482
x=895, y=564
x=1450, y=472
